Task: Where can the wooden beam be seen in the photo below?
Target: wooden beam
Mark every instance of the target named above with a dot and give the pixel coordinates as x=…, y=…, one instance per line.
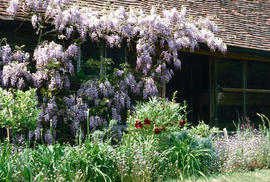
x=231, y=55
x=241, y=90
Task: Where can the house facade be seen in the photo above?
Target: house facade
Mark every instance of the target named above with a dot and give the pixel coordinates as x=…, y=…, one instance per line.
x=221, y=89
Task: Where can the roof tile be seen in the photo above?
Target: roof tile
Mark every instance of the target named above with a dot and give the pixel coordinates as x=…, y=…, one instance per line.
x=242, y=23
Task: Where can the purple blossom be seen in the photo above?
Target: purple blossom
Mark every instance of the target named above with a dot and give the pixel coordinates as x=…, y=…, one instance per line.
x=13, y=7
x=115, y=115
x=72, y=50
x=5, y=54
x=49, y=137
x=15, y=73
x=96, y=121
x=89, y=90
x=150, y=88
x=69, y=31
x=37, y=131
x=34, y=21
x=119, y=73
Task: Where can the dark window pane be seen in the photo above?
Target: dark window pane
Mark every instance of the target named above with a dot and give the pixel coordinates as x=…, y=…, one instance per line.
x=117, y=55
x=229, y=109
x=258, y=75
x=229, y=73
x=257, y=103
x=90, y=59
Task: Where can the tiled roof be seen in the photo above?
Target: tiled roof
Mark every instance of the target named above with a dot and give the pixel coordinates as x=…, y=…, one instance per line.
x=242, y=23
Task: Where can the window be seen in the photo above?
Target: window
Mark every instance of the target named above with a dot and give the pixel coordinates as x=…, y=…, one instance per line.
x=92, y=57
x=243, y=89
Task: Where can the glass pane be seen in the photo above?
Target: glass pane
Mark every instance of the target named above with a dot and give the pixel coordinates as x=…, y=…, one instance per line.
x=117, y=55
x=229, y=109
x=258, y=75
x=90, y=59
x=257, y=103
x=229, y=73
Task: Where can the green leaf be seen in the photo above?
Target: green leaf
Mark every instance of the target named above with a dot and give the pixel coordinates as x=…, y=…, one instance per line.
x=27, y=173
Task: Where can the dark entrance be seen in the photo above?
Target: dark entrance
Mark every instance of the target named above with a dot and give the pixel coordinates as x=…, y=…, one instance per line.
x=192, y=84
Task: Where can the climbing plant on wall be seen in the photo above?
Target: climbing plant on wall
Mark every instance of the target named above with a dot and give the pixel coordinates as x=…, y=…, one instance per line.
x=156, y=37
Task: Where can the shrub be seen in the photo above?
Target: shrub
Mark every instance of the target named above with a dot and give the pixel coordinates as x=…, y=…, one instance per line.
x=18, y=111
x=148, y=154
x=203, y=130
x=158, y=115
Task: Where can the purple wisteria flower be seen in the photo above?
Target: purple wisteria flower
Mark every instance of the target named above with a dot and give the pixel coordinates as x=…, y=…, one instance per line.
x=13, y=7
x=150, y=88
x=15, y=75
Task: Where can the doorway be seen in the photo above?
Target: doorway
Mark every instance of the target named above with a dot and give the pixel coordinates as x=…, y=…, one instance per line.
x=192, y=84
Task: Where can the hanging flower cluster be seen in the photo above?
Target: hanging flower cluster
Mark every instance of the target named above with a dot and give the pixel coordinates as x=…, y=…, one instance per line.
x=53, y=64
x=164, y=34
x=15, y=73
x=113, y=94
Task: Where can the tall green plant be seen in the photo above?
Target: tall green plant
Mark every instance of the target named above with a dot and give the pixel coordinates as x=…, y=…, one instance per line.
x=18, y=110
x=190, y=155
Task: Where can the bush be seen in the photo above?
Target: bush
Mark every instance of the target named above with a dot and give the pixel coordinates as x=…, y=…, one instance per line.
x=18, y=111
x=148, y=155
x=158, y=115
x=140, y=159
x=203, y=130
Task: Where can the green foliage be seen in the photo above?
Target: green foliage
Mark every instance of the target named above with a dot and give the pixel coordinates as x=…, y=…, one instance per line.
x=190, y=155
x=164, y=115
x=203, y=130
x=90, y=162
x=19, y=110
x=175, y=153
x=140, y=159
x=5, y=163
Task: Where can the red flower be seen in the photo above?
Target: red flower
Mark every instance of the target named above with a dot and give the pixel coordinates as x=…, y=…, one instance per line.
x=156, y=131
x=147, y=122
x=138, y=124
x=182, y=122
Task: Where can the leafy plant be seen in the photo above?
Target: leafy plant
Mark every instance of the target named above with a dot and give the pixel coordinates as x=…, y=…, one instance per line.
x=92, y=161
x=158, y=115
x=203, y=130
x=5, y=162
x=139, y=158
x=190, y=155
x=18, y=112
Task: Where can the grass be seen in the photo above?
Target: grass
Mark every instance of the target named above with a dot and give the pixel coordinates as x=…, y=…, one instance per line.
x=254, y=176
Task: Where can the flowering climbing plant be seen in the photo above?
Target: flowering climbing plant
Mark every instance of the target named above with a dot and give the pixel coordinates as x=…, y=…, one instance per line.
x=157, y=38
